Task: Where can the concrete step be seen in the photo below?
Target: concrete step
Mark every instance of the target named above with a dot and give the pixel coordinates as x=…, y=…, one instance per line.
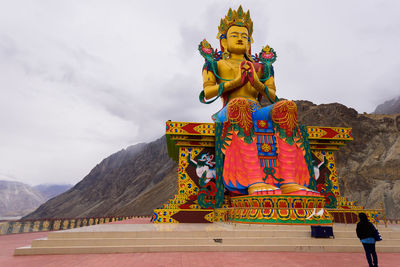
x=181, y=234
x=96, y=242
x=198, y=248
x=201, y=237
x=210, y=234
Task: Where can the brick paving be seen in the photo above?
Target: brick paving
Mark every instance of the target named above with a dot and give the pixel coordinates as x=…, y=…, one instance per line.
x=290, y=259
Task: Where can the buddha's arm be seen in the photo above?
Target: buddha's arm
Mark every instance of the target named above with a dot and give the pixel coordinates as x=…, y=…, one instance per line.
x=270, y=84
x=211, y=87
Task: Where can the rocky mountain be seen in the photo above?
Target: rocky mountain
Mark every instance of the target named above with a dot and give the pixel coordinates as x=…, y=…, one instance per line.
x=18, y=199
x=369, y=166
x=132, y=181
x=389, y=107
x=140, y=178
x=51, y=190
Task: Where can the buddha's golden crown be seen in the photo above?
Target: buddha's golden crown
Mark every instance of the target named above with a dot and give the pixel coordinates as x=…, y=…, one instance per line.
x=235, y=18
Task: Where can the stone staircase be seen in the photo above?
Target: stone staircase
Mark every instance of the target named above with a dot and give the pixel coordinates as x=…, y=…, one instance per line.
x=128, y=238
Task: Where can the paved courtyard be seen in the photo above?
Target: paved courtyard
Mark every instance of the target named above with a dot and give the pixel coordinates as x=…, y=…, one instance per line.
x=290, y=259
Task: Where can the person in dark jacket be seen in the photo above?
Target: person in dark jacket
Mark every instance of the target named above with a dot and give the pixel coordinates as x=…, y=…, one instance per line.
x=366, y=232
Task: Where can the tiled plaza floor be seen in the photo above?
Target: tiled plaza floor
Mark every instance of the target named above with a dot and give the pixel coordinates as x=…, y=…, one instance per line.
x=288, y=259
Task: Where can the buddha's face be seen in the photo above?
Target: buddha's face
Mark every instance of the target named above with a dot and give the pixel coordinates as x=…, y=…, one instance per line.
x=237, y=40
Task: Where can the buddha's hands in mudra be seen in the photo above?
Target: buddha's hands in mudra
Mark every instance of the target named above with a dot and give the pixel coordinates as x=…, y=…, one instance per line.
x=246, y=73
x=245, y=77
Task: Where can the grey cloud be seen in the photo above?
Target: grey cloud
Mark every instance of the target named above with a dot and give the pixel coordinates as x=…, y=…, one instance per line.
x=8, y=48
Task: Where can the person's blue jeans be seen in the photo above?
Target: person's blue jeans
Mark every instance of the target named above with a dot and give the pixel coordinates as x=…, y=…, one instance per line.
x=370, y=250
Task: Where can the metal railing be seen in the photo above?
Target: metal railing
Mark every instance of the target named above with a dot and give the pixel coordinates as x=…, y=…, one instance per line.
x=350, y=216
x=55, y=224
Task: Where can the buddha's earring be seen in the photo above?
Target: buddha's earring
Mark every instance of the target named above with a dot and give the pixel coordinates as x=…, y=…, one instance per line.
x=248, y=53
x=224, y=48
x=249, y=57
x=226, y=55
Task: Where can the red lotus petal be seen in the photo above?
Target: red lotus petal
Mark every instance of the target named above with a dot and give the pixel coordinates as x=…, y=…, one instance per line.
x=206, y=50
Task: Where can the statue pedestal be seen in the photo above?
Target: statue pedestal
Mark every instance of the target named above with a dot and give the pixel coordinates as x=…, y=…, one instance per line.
x=200, y=200
x=279, y=209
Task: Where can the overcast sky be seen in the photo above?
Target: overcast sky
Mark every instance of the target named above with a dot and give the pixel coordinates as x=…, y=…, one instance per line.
x=80, y=80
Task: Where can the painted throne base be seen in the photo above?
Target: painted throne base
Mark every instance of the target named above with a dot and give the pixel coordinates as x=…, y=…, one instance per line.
x=279, y=209
x=192, y=140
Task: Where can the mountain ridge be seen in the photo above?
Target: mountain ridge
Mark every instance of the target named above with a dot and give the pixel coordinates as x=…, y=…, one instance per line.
x=391, y=106
x=113, y=183
x=49, y=191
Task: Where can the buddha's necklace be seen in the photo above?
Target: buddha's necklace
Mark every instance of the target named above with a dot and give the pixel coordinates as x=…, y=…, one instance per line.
x=231, y=65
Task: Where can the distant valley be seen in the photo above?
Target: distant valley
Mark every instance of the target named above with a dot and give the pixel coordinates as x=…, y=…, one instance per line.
x=18, y=199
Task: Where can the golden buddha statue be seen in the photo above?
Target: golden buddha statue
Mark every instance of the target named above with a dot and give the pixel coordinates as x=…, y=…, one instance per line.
x=263, y=150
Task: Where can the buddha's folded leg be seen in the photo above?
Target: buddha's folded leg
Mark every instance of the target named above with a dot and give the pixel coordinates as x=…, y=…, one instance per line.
x=292, y=167
x=293, y=170
x=242, y=170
